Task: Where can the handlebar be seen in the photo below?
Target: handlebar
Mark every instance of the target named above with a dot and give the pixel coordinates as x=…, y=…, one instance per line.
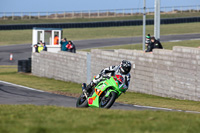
x=106, y=76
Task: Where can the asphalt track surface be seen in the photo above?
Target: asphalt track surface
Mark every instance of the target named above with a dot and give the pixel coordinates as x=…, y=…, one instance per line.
x=15, y=94
x=12, y=94
x=24, y=51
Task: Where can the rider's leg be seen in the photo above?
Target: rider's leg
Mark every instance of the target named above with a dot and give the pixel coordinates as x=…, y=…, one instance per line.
x=93, y=83
x=97, y=79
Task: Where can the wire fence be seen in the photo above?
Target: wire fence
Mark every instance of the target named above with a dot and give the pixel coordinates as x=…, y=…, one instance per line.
x=95, y=13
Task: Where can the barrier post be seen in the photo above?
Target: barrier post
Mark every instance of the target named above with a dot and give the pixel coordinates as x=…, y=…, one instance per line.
x=181, y=9
x=4, y=16
x=47, y=15
x=29, y=15
x=73, y=14
x=132, y=12
x=88, y=68
x=98, y=13
x=21, y=15
x=13, y=16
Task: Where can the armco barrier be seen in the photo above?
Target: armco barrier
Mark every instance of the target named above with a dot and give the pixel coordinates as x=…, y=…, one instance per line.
x=99, y=24
x=167, y=73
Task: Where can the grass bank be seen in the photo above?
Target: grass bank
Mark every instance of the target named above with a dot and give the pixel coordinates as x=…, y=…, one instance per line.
x=8, y=37
x=73, y=89
x=51, y=119
x=166, y=45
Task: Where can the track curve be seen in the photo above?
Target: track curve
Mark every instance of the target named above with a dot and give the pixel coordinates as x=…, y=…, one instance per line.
x=17, y=94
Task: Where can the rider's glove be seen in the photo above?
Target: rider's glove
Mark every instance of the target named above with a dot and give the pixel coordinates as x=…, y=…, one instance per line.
x=105, y=76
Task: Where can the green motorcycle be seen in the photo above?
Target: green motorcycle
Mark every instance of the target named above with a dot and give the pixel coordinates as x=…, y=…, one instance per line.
x=104, y=94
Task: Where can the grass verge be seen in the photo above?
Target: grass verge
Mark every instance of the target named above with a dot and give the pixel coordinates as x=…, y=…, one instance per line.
x=166, y=45
x=51, y=119
x=73, y=89
x=8, y=37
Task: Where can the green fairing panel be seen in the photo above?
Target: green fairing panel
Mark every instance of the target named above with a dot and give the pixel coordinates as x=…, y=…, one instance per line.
x=109, y=83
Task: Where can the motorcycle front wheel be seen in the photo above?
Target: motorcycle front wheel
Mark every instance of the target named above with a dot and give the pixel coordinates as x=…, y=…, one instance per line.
x=82, y=102
x=107, y=102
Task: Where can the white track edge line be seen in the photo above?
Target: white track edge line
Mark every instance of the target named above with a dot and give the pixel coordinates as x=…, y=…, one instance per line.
x=20, y=86
x=153, y=107
x=195, y=39
x=150, y=107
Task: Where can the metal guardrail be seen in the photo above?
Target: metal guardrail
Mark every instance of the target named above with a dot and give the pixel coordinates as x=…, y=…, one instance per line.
x=99, y=24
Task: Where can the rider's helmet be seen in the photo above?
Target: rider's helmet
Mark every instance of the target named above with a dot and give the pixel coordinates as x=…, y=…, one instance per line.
x=148, y=39
x=125, y=67
x=148, y=36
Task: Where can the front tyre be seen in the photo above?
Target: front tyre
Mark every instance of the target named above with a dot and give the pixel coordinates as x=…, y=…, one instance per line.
x=107, y=102
x=82, y=102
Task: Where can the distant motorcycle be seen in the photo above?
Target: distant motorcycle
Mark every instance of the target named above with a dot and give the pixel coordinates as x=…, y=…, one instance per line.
x=104, y=94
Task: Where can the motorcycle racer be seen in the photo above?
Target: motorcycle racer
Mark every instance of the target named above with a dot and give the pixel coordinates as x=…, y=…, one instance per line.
x=123, y=69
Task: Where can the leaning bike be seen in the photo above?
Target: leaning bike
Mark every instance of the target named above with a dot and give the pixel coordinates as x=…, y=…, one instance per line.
x=104, y=94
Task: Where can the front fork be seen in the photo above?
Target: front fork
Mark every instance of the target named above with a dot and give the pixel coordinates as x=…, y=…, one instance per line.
x=84, y=89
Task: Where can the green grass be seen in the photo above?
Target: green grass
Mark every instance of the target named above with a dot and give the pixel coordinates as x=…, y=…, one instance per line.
x=78, y=20
x=166, y=45
x=51, y=119
x=25, y=36
x=74, y=89
x=11, y=75
x=8, y=37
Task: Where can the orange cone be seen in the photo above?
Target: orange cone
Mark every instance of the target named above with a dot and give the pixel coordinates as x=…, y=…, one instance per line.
x=11, y=57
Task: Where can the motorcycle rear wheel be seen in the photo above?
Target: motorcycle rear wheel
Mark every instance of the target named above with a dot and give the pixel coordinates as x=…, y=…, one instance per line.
x=82, y=102
x=107, y=102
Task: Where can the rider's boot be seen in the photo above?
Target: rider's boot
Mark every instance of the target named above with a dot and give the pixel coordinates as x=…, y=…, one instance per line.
x=84, y=86
x=87, y=89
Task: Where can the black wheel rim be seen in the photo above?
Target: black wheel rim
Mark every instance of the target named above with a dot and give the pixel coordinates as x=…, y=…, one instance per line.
x=105, y=100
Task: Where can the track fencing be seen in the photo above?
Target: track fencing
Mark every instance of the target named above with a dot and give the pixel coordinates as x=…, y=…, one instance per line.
x=96, y=13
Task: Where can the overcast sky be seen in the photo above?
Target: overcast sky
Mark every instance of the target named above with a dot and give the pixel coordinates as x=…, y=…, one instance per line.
x=77, y=5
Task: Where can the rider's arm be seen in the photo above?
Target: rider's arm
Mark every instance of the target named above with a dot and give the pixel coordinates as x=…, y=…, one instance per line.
x=160, y=45
x=127, y=81
x=110, y=69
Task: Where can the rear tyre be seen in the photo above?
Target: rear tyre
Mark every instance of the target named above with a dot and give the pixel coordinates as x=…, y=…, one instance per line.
x=107, y=102
x=82, y=102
